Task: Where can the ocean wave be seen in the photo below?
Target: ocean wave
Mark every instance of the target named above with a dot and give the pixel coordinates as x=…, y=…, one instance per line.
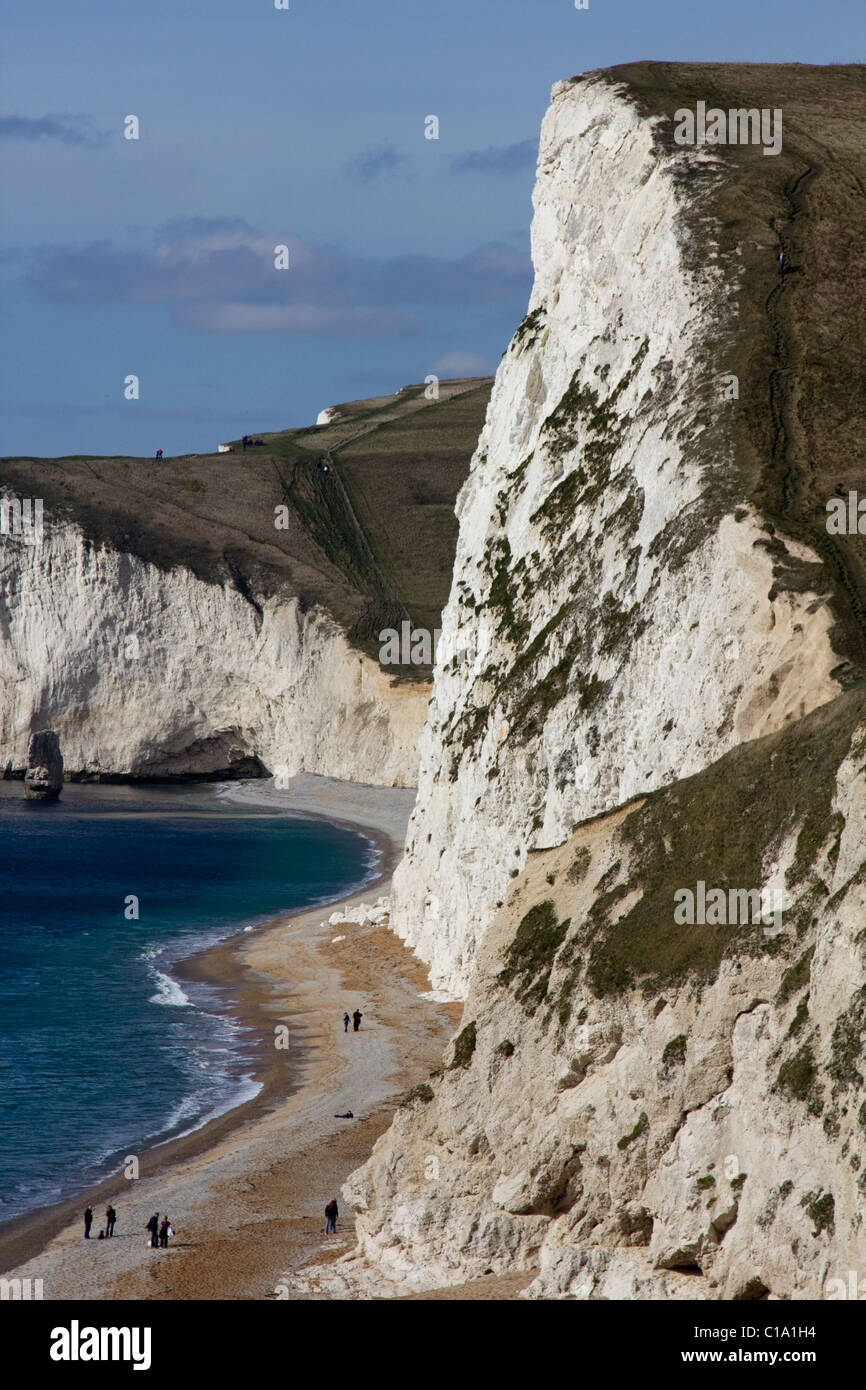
x=168, y=991
x=242, y=1090
x=189, y=1108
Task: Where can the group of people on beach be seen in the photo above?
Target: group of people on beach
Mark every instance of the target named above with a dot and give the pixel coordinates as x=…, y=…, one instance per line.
x=332, y=1211
x=355, y=1019
x=108, y=1228
x=159, y=1231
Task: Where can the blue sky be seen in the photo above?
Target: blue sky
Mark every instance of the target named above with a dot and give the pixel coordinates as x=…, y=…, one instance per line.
x=302, y=127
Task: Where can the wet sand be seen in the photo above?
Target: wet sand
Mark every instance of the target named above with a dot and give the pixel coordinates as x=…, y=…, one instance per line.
x=246, y=1192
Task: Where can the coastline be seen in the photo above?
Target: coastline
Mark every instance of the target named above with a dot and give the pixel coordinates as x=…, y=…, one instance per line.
x=285, y=972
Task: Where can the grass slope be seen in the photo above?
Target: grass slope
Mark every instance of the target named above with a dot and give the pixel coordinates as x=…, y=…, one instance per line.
x=723, y=826
x=372, y=539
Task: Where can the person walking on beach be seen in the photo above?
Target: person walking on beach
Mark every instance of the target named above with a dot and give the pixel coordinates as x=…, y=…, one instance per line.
x=110, y=1218
x=345, y=1023
x=356, y=1019
x=165, y=1231
x=332, y=1211
x=153, y=1227
x=88, y=1222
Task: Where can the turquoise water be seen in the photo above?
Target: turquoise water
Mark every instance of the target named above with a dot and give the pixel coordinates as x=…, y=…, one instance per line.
x=101, y=1049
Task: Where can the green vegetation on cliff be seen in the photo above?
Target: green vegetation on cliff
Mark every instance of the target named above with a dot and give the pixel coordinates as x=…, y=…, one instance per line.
x=371, y=530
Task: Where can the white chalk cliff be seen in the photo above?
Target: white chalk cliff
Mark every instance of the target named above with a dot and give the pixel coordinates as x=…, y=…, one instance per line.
x=638, y=687
x=149, y=672
x=702, y=1139
x=610, y=625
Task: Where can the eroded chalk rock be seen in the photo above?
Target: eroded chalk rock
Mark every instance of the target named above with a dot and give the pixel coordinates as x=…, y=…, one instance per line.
x=43, y=779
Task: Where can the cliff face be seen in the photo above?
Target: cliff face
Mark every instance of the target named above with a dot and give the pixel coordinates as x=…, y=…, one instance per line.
x=150, y=672
x=638, y=1110
x=220, y=614
x=651, y=684
x=622, y=613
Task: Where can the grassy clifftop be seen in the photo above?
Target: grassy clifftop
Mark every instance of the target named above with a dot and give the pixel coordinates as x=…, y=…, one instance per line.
x=371, y=539
x=798, y=348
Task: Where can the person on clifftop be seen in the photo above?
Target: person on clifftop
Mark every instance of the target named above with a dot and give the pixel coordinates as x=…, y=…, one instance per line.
x=345, y=1023
x=331, y=1213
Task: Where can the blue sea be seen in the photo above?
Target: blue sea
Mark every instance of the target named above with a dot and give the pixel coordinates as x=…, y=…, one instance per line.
x=102, y=1051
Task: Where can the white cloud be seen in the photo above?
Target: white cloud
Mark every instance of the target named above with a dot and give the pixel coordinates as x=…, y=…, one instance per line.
x=300, y=318
x=453, y=364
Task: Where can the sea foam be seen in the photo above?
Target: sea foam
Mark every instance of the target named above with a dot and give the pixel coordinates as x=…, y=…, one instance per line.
x=168, y=991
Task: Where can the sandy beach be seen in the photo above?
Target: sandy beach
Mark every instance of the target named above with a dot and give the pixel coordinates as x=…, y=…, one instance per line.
x=246, y=1192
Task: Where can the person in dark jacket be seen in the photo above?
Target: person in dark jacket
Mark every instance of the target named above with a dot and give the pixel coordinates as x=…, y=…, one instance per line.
x=331, y=1213
x=165, y=1231
x=345, y=1023
x=88, y=1222
x=356, y=1019
x=110, y=1218
x=153, y=1227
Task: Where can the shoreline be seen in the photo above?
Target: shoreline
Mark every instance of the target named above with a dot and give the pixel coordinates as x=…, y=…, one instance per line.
x=22, y=1237
x=256, y=966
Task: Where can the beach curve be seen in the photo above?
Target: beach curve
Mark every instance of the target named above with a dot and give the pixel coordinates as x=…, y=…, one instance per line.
x=246, y=1191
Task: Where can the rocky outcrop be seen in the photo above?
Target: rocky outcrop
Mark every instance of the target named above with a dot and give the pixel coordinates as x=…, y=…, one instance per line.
x=43, y=780
x=148, y=672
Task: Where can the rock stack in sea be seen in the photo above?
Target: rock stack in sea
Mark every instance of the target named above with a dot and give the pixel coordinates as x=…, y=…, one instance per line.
x=43, y=779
